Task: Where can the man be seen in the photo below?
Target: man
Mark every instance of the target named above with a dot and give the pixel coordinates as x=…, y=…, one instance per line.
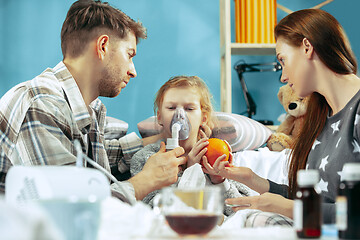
x=41, y=118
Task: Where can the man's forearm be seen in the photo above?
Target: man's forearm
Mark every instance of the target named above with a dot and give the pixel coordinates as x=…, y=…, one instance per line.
x=142, y=185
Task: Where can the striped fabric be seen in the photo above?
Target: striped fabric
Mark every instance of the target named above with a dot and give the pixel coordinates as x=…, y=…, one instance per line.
x=241, y=132
x=115, y=128
x=40, y=119
x=266, y=219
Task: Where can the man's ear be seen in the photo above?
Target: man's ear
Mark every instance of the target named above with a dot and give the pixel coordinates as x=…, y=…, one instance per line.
x=102, y=46
x=308, y=47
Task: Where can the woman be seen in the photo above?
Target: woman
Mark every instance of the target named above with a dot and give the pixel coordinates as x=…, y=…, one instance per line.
x=317, y=60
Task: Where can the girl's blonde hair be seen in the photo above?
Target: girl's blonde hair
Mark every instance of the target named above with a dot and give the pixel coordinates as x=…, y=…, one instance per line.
x=189, y=81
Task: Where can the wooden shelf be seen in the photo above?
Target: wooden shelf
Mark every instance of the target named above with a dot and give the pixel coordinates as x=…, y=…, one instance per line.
x=252, y=49
x=228, y=48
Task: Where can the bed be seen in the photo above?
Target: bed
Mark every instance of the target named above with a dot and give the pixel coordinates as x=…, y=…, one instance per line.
x=246, y=136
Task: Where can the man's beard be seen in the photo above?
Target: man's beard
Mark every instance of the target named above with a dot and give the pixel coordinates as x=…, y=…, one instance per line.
x=108, y=86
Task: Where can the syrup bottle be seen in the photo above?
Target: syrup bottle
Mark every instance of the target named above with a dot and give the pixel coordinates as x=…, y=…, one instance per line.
x=348, y=203
x=307, y=205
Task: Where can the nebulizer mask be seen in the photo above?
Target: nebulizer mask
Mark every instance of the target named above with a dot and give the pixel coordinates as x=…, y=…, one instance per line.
x=180, y=128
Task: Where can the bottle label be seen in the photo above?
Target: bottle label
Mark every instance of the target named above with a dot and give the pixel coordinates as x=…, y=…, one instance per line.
x=298, y=215
x=341, y=213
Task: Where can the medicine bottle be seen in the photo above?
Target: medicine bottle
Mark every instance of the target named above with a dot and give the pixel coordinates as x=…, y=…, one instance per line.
x=307, y=205
x=348, y=203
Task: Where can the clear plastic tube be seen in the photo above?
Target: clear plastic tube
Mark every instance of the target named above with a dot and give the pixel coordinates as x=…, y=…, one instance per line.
x=81, y=155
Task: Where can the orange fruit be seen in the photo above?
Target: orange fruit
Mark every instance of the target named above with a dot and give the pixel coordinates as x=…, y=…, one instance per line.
x=216, y=148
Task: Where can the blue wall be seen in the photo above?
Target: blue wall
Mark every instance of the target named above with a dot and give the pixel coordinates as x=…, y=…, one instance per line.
x=183, y=38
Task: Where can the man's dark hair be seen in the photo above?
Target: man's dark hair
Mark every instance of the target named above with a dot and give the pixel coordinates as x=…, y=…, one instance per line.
x=88, y=19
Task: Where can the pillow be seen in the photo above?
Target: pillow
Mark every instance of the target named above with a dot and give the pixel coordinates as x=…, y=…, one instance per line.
x=149, y=127
x=241, y=132
x=115, y=128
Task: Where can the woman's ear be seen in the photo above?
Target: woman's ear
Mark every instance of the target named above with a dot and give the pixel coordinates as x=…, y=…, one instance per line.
x=308, y=48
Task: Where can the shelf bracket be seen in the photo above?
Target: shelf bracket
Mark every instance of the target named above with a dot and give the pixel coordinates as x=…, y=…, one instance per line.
x=320, y=5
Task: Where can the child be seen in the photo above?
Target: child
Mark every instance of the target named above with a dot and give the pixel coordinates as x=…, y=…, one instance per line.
x=191, y=94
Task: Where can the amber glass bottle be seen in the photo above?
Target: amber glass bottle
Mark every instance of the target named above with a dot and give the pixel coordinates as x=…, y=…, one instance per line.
x=307, y=205
x=348, y=203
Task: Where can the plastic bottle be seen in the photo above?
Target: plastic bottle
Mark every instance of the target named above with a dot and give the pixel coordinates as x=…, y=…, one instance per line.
x=307, y=205
x=348, y=203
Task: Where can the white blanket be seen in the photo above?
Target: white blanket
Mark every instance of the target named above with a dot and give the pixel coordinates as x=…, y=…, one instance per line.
x=265, y=163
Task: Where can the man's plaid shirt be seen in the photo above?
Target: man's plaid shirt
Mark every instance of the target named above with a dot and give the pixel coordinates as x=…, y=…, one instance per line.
x=40, y=119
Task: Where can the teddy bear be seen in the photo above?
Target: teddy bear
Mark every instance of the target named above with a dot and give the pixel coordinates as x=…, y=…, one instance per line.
x=287, y=131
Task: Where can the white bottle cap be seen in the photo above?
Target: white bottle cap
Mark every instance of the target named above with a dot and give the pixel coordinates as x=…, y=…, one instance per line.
x=307, y=177
x=351, y=172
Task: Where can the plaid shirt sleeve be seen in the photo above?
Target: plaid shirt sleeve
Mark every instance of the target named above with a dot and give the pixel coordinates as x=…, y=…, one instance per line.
x=5, y=165
x=120, y=151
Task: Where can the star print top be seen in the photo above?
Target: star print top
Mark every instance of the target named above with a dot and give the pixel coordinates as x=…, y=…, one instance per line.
x=336, y=145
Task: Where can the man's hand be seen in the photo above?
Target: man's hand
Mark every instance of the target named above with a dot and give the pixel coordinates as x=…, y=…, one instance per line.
x=160, y=170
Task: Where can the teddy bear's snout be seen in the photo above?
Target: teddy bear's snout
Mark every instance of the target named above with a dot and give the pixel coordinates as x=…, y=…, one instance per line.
x=292, y=106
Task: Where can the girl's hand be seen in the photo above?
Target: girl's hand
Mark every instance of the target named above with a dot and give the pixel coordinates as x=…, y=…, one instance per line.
x=198, y=150
x=223, y=169
x=230, y=150
x=220, y=164
x=215, y=170
x=267, y=202
x=206, y=130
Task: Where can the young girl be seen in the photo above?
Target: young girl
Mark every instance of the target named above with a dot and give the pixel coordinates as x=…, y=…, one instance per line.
x=191, y=94
x=317, y=60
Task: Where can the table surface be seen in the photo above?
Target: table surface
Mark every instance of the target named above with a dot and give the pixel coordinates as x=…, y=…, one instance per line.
x=275, y=233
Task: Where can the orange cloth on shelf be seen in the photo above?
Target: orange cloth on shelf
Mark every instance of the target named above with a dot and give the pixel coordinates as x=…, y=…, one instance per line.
x=255, y=21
